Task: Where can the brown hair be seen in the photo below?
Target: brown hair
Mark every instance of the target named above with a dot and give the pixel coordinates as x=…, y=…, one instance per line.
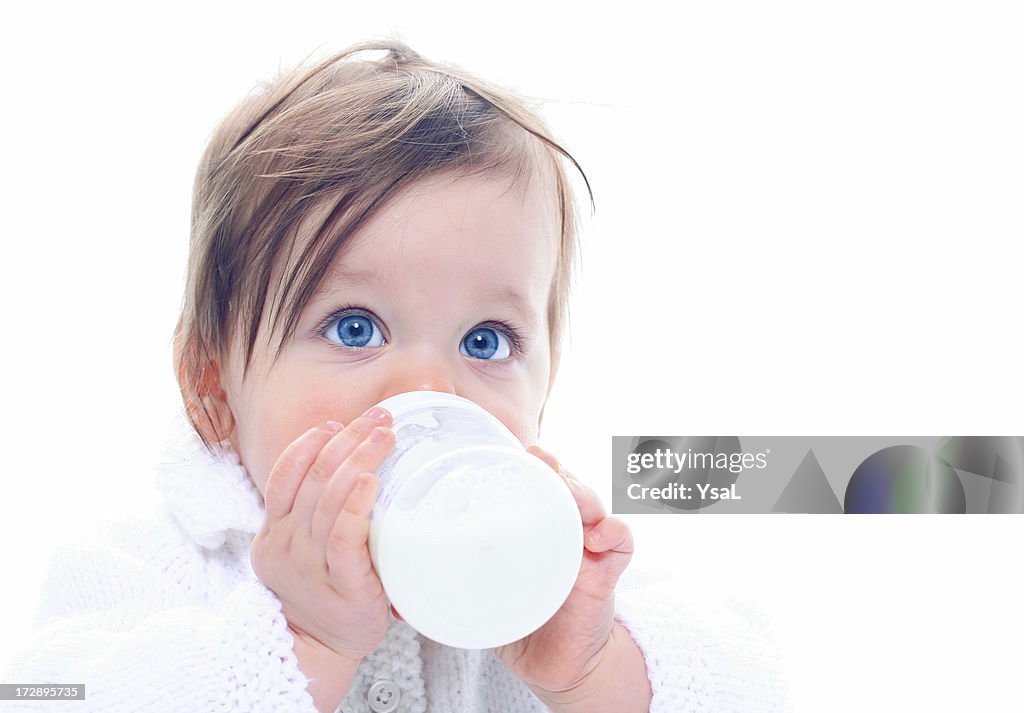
x=345, y=135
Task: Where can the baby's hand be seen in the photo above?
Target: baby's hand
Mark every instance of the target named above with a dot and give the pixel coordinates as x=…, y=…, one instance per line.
x=312, y=551
x=558, y=657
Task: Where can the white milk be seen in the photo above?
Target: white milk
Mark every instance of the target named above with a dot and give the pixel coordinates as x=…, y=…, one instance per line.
x=477, y=542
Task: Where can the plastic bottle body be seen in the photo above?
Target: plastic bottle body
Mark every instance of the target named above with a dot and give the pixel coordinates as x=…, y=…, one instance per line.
x=476, y=542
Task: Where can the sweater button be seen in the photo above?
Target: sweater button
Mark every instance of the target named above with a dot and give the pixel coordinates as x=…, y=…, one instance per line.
x=384, y=697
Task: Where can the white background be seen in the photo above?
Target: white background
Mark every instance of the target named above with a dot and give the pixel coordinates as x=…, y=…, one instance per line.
x=808, y=223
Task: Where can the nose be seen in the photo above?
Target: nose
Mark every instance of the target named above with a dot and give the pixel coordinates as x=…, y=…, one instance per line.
x=420, y=371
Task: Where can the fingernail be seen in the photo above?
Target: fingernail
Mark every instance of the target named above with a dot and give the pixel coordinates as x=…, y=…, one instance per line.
x=377, y=414
x=334, y=426
x=594, y=537
x=361, y=482
x=378, y=435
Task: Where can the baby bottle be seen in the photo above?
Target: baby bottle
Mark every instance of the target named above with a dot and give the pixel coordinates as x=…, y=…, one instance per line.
x=476, y=541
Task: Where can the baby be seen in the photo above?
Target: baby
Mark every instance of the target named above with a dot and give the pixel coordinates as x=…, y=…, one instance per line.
x=362, y=228
x=411, y=233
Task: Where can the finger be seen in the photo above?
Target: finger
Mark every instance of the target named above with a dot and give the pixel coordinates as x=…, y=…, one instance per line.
x=610, y=534
x=366, y=458
x=348, y=557
x=610, y=544
x=591, y=508
x=291, y=468
x=327, y=461
x=546, y=457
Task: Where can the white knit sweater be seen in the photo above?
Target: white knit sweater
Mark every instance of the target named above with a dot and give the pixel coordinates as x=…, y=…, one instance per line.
x=163, y=613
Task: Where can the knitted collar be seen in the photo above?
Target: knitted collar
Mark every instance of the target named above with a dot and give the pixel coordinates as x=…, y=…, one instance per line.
x=209, y=495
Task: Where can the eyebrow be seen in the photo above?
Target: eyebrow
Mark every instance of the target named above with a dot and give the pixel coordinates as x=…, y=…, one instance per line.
x=362, y=278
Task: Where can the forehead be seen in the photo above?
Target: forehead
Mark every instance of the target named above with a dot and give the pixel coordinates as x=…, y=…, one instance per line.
x=488, y=232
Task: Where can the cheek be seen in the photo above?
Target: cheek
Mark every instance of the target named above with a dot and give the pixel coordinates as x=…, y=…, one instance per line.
x=283, y=413
x=520, y=422
x=268, y=435
x=522, y=419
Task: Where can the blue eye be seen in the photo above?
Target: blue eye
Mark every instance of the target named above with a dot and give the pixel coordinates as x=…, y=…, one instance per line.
x=484, y=343
x=356, y=330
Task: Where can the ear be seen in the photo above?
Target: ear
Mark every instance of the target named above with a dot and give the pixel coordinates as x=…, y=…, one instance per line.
x=202, y=389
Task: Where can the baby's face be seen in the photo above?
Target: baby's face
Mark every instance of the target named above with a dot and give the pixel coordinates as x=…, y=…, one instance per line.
x=421, y=298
